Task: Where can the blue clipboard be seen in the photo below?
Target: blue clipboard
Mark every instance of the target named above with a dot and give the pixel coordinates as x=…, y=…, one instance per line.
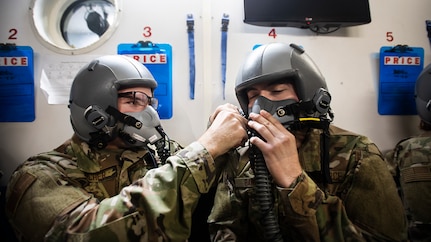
x=400, y=66
x=16, y=84
x=158, y=59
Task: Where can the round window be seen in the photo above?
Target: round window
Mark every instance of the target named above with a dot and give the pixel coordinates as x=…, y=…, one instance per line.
x=74, y=27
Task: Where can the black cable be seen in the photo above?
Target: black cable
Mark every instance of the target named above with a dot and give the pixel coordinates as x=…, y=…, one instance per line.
x=323, y=30
x=163, y=151
x=264, y=196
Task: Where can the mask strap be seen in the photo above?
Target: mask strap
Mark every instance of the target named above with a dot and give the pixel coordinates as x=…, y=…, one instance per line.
x=324, y=156
x=99, y=139
x=321, y=123
x=295, y=108
x=124, y=118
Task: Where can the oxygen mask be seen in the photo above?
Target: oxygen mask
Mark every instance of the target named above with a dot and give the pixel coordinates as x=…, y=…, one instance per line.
x=148, y=132
x=275, y=108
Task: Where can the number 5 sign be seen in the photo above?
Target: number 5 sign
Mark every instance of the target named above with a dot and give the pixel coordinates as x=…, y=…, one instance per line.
x=399, y=68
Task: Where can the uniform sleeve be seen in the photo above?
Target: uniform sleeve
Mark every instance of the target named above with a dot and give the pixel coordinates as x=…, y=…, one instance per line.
x=156, y=207
x=368, y=207
x=229, y=215
x=227, y=220
x=372, y=200
x=300, y=204
x=314, y=216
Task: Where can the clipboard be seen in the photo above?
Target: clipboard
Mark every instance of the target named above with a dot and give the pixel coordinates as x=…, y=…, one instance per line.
x=400, y=66
x=16, y=84
x=158, y=59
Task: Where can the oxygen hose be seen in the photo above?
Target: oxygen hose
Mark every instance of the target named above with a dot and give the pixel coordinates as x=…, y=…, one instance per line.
x=264, y=196
x=162, y=152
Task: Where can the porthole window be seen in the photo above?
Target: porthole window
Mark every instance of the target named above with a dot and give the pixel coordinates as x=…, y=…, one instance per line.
x=74, y=27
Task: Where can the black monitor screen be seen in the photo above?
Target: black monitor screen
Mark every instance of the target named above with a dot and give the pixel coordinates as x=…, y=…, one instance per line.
x=306, y=13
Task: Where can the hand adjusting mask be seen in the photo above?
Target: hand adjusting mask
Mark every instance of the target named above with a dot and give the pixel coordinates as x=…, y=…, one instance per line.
x=274, y=107
x=288, y=113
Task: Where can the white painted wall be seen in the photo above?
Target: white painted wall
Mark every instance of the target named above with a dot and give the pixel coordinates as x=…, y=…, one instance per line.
x=348, y=58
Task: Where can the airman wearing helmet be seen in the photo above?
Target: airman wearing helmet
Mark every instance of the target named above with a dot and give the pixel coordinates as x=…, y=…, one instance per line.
x=314, y=184
x=410, y=164
x=102, y=90
x=106, y=183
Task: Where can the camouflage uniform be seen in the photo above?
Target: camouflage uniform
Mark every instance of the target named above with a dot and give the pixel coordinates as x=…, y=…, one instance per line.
x=410, y=164
x=361, y=204
x=70, y=194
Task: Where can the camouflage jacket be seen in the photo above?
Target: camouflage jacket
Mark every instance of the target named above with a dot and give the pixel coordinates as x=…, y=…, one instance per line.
x=397, y=157
x=75, y=193
x=410, y=165
x=361, y=203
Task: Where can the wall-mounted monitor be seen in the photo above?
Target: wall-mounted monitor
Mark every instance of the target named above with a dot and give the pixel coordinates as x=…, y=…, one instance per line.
x=307, y=13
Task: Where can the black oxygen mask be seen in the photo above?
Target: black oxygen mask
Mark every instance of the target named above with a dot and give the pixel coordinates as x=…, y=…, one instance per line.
x=275, y=108
x=294, y=115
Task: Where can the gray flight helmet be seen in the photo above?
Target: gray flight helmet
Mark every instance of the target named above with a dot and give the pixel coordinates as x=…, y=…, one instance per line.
x=281, y=61
x=95, y=88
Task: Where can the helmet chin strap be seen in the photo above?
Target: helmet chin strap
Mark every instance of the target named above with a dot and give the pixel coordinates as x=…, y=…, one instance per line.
x=321, y=123
x=298, y=123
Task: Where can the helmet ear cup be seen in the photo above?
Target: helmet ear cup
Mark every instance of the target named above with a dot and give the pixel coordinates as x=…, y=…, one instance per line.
x=96, y=117
x=322, y=101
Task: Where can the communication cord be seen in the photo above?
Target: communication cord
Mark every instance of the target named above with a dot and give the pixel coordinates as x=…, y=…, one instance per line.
x=264, y=195
x=162, y=151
